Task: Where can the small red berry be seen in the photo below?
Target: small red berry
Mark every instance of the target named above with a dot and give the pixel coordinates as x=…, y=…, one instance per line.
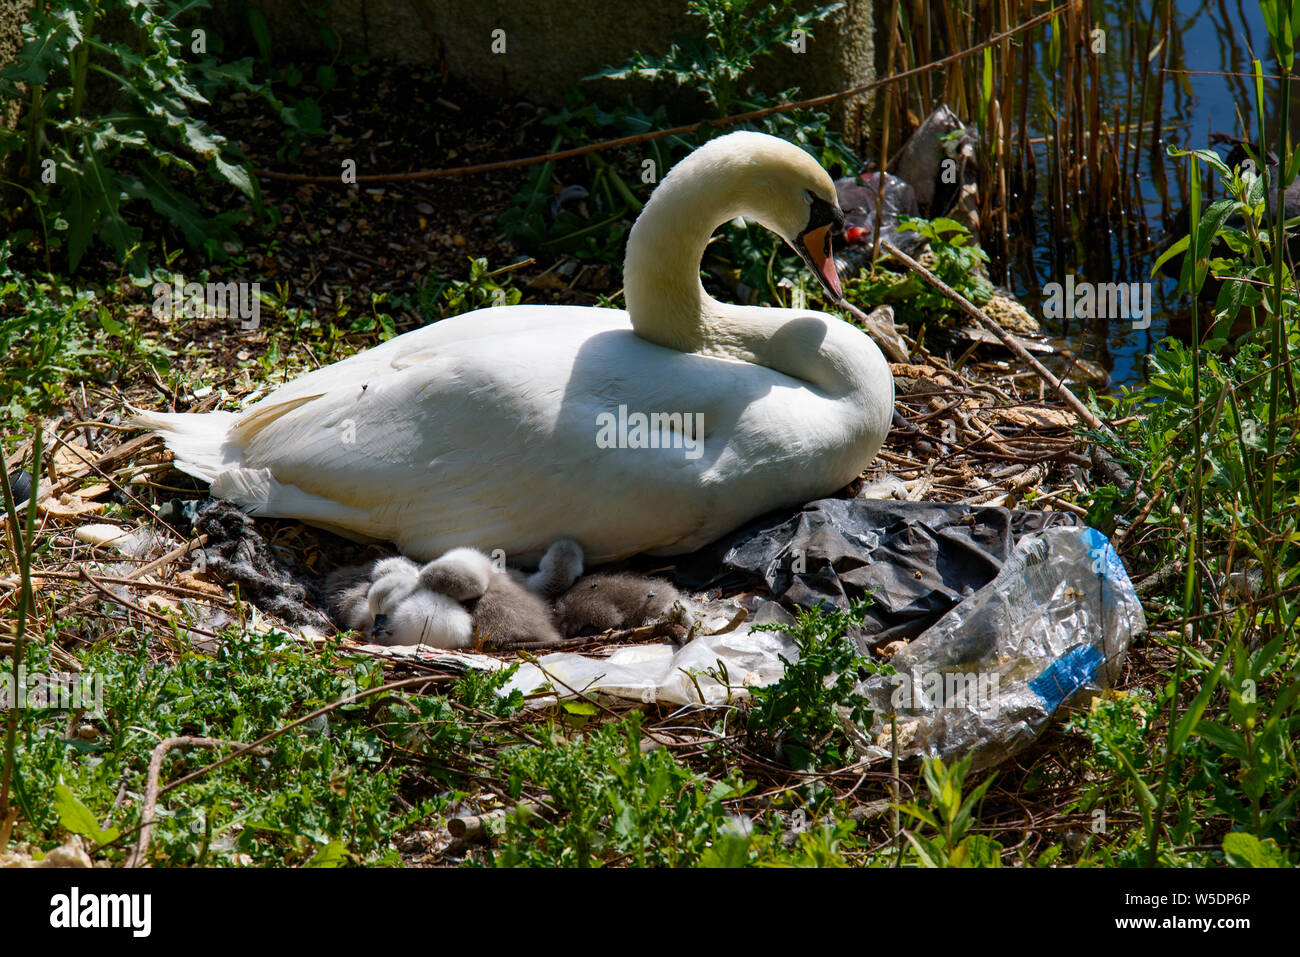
x=854, y=235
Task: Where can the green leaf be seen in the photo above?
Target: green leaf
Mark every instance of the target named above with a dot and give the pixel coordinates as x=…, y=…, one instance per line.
x=727, y=850
x=261, y=33
x=918, y=812
x=77, y=818
x=1147, y=799
x=579, y=707
x=927, y=851
x=1193, y=714
x=1246, y=850
x=304, y=115
x=333, y=854
x=45, y=52
x=1225, y=739
x=1174, y=250
x=154, y=186
x=1206, y=233
x=986, y=87
x=74, y=815
x=83, y=208
x=109, y=324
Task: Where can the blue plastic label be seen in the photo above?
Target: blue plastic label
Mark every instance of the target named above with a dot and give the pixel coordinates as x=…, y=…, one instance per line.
x=1066, y=675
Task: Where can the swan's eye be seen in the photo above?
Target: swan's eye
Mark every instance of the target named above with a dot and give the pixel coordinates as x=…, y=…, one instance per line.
x=808, y=197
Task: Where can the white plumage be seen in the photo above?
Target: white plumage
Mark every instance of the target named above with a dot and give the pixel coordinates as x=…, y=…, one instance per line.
x=481, y=430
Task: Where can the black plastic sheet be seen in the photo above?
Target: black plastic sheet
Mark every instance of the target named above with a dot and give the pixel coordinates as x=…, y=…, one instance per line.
x=916, y=559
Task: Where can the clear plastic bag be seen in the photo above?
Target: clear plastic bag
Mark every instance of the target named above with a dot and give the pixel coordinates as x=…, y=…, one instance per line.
x=985, y=679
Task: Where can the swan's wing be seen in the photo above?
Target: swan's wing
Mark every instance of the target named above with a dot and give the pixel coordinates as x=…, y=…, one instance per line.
x=417, y=346
x=496, y=441
x=492, y=443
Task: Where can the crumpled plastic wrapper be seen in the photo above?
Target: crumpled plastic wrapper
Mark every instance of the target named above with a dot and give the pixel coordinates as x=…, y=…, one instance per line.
x=711, y=670
x=917, y=560
x=1056, y=621
x=714, y=669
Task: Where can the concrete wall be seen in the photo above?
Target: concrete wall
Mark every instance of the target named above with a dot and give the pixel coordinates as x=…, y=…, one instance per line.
x=13, y=14
x=552, y=44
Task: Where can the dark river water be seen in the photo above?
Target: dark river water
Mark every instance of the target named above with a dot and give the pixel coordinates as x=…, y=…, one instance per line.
x=1211, y=38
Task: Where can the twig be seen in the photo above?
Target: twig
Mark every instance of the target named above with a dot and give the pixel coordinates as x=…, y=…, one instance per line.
x=1121, y=535
x=127, y=603
x=660, y=629
x=135, y=583
x=472, y=827
x=139, y=572
x=1006, y=338
x=332, y=706
x=151, y=790
x=24, y=546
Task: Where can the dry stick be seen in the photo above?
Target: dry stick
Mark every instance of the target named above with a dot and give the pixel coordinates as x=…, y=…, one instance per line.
x=256, y=746
x=332, y=706
x=140, y=572
x=472, y=827
x=895, y=791
x=138, y=609
x=24, y=544
x=660, y=629
x=174, y=554
x=98, y=466
x=1006, y=338
x=815, y=101
x=1121, y=535
x=134, y=583
x=151, y=791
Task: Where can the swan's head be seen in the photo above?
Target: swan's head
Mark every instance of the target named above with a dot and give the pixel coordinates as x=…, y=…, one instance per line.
x=785, y=189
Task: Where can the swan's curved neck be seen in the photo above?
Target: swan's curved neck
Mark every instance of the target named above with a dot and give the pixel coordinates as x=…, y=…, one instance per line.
x=661, y=272
x=668, y=305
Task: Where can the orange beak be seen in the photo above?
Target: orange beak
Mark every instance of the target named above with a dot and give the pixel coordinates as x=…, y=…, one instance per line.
x=815, y=248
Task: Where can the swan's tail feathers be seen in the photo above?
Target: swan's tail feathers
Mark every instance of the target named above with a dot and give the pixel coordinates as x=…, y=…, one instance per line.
x=199, y=442
x=257, y=418
x=205, y=446
x=260, y=493
x=208, y=444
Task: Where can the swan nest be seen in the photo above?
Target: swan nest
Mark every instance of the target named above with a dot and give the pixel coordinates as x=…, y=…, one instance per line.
x=117, y=517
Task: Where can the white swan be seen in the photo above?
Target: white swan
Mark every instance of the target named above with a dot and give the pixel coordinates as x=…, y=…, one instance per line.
x=483, y=429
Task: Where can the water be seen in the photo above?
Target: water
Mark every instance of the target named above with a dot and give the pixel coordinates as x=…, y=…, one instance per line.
x=1209, y=37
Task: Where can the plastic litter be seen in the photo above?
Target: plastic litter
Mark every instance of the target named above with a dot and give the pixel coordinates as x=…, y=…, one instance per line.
x=917, y=559
x=20, y=483
x=986, y=678
x=660, y=673
x=1002, y=616
x=922, y=161
x=133, y=543
x=714, y=669
x=858, y=197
